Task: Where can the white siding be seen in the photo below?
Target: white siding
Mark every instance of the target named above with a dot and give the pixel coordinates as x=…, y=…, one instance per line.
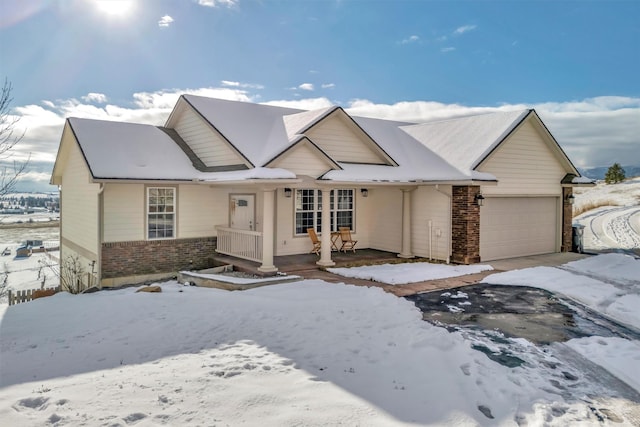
x=524, y=165
x=205, y=142
x=79, y=200
x=386, y=219
x=303, y=160
x=343, y=141
x=430, y=205
x=124, y=212
x=200, y=209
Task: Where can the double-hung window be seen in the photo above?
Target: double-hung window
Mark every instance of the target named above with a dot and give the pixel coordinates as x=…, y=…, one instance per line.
x=161, y=216
x=308, y=212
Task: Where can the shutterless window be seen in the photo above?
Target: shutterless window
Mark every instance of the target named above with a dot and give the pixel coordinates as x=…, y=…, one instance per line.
x=160, y=212
x=309, y=209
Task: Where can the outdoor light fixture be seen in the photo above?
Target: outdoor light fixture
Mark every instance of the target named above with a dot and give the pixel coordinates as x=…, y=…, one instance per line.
x=287, y=192
x=479, y=199
x=364, y=192
x=570, y=199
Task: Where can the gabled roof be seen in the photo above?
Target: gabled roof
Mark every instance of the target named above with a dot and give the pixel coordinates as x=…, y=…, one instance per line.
x=466, y=141
x=117, y=150
x=297, y=140
x=257, y=131
x=302, y=123
x=449, y=150
x=415, y=161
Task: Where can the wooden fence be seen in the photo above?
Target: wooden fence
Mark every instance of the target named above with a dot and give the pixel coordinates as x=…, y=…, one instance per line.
x=26, y=295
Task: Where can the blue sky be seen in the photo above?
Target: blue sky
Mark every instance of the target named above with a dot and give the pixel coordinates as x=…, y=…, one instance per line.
x=576, y=62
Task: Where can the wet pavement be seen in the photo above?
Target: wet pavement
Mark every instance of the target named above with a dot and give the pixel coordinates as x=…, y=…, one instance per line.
x=517, y=312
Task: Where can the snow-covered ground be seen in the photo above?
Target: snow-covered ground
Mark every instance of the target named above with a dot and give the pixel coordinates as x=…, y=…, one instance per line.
x=314, y=353
x=33, y=272
x=400, y=274
x=33, y=217
x=304, y=353
x=616, y=224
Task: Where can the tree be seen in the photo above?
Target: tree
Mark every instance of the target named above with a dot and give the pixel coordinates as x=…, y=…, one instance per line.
x=10, y=171
x=614, y=174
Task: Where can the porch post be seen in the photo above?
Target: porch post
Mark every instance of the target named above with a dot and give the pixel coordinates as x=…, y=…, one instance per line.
x=406, y=224
x=325, y=248
x=267, y=232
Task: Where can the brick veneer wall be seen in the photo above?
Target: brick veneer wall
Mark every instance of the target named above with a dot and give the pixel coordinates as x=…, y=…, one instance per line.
x=122, y=259
x=465, y=225
x=567, y=221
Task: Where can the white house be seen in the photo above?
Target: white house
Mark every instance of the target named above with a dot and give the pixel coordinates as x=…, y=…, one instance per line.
x=140, y=202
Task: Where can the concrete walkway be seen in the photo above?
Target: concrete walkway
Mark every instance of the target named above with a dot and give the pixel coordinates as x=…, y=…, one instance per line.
x=549, y=260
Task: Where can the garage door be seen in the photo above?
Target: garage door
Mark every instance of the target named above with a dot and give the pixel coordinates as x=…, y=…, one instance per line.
x=517, y=226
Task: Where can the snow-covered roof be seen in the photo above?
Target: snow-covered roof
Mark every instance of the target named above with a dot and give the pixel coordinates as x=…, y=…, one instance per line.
x=299, y=122
x=256, y=130
x=117, y=150
x=448, y=150
x=415, y=161
x=466, y=141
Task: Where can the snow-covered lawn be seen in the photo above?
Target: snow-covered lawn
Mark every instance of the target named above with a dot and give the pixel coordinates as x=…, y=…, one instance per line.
x=616, y=224
x=400, y=274
x=30, y=272
x=313, y=353
x=304, y=353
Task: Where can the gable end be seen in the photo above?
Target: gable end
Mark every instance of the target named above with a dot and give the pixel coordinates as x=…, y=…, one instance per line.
x=359, y=144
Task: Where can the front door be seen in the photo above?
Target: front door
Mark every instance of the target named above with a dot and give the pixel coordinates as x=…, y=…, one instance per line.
x=243, y=211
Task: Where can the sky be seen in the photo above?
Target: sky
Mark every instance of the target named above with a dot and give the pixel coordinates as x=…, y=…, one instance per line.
x=575, y=62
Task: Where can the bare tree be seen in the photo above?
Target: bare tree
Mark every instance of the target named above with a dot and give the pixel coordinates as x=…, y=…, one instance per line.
x=10, y=170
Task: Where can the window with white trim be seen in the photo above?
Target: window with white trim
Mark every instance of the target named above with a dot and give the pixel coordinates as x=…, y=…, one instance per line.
x=308, y=212
x=161, y=216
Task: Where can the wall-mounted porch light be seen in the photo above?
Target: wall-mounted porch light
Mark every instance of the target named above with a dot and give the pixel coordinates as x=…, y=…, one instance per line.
x=570, y=199
x=364, y=192
x=479, y=198
x=287, y=192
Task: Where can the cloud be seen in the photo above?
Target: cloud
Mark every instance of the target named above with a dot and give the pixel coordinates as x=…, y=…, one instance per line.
x=447, y=49
x=229, y=83
x=165, y=21
x=410, y=39
x=303, y=104
x=98, y=98
x=593, y=132
x=306, y=86
x=328, y=85
x=216, y=3
x=464, y=29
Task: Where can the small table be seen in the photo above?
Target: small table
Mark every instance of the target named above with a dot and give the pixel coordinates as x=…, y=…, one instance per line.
x=335, y=235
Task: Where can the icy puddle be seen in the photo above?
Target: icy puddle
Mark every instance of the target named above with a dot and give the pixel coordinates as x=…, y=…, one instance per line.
x=516, y=311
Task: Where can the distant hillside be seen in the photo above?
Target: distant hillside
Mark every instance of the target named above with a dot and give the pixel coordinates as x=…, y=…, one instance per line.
x=598, y=173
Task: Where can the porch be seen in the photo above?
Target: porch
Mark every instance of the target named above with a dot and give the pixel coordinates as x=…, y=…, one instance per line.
x=297, y=264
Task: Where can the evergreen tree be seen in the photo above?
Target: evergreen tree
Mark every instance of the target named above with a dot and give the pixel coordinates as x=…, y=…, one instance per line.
x=614, y=174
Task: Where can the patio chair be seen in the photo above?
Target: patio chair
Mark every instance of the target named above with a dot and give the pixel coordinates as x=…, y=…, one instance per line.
x=348, y=244
x=314, y=239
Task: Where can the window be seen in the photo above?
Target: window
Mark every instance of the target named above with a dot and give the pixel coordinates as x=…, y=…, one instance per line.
x=309, y=210
x=160, y=212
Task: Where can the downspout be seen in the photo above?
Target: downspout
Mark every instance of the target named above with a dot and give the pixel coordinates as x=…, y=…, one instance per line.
x=100, y=233
x=430, y=239
x=450, y=225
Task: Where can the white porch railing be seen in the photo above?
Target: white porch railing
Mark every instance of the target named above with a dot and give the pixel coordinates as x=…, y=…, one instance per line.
x=243, y=244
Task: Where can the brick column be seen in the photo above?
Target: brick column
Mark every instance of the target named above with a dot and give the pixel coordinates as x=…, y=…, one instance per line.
x=567, y=220
x=465, y=225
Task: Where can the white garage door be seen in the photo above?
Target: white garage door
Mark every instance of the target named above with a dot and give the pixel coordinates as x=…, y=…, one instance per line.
x=517, y=226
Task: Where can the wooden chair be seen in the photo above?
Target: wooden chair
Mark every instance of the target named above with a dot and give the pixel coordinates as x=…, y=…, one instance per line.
x=314, y=239
x=347, y=242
